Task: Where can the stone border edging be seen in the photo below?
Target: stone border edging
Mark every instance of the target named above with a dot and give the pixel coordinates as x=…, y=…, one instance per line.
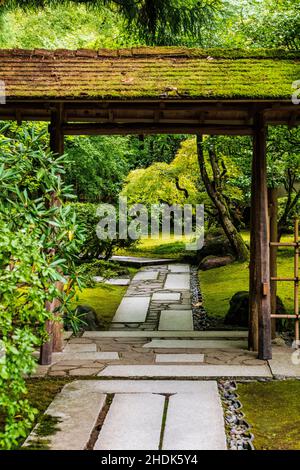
x=237, y=429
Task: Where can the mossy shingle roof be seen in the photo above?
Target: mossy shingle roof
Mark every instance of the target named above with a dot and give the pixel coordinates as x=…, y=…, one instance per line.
x=149, y=73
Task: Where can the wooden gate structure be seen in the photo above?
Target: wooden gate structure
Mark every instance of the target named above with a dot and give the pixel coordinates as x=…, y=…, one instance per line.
x=295, y=280
x=170, y=91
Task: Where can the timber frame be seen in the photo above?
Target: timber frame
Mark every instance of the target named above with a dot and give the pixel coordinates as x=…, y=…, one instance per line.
x=88, y=115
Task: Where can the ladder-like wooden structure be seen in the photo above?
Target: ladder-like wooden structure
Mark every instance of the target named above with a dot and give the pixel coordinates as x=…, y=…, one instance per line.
x=295, y=279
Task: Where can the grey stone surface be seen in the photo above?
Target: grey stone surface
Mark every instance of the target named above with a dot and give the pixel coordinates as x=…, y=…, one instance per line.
x=179, y=268
x=146, y=276
x=98, y=278
x=77, y=412
x=195, y=421
x=118, y=282
x=285, y=362
x=140, y=261
x=179, y=358
x=80, y=348
x=177, y=281
x=170, y=334
x=176, y=320
x=85, y=356
x=203, y=370
x=133, y=422
x=141, y=386
x=132, y=309
x=196, y=343
x=67, y=334
x=166, y=296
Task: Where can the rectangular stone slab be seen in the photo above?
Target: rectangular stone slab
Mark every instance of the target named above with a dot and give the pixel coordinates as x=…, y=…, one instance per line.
x=132, y=310
x=179, y=358
x=195, y=421
x=118, y=282
x=170, y=334
x=285, y=362
x=140, y=386
x=77, y=412
x=80, y=347
x=204, y=370
x=179, y=268
x=196, y=344
x=133, y=422
x=146, y=276
x=177, y=281
x=166, y=297
x=176, y=320
x=85, y=356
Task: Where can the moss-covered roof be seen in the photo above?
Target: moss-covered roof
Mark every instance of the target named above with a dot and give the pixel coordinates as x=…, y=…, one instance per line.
x=169, y=73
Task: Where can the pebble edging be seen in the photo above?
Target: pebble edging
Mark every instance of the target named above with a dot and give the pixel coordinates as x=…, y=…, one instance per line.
x=200, y=317
x=239, y=436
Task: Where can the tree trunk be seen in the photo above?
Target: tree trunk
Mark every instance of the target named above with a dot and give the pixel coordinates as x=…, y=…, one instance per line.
x=235, y=239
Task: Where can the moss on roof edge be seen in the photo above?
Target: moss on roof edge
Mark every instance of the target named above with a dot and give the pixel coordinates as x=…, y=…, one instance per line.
x=184, y=52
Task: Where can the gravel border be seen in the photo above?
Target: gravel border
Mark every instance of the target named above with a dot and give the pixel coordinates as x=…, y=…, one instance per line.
x=238, y=431
x=200, y=317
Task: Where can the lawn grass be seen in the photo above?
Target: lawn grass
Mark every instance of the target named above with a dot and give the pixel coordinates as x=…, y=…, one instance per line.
x=273, y=411
x=220, y=284
x=171, y=246
x=104, y=299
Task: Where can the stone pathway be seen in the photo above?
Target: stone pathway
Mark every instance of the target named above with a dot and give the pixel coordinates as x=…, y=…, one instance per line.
x=180, y=352
x=139, y=415
x=158, y=298
x=152, y=337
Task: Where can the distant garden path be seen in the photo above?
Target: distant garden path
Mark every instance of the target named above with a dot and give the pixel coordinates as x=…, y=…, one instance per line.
x=158, y=298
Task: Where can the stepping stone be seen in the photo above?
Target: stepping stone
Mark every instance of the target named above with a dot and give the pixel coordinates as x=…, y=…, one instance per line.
x=133, y=422
x=78, y=413
x=179, y=358
x=176, y=320
x=141, y=386
x=285, y=362
x=85, y=356
x=177, y=281
x=165, y=297
x=204, y=370
x=80, y=348
x=195, y=421
x=132, y=310
x=179, y=268
x=67, y=334
x=112, y=281
x=118, y=282
x=98, y=278
x=196, y=344
x=146, y=276
x=165, y=334
x=140, y=261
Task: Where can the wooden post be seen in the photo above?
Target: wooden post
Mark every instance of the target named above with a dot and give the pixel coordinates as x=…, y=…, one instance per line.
x=259, y=299
x=273, y=216
x=54, y=329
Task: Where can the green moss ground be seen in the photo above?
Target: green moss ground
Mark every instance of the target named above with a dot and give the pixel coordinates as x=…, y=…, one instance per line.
x=218, y=285
x=273, y=411
x=41, y=392
x=167, y=247
x=104, y=299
